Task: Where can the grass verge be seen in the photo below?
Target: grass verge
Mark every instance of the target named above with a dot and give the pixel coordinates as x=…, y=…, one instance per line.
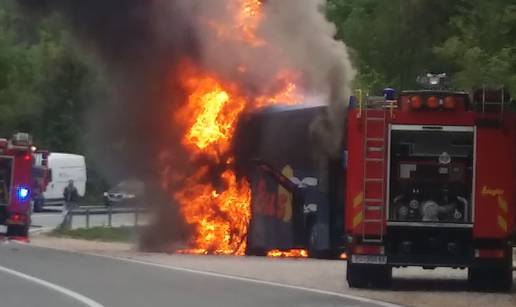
x=104, y=234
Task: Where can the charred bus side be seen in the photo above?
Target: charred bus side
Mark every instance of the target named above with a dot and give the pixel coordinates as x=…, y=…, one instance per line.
x=431, y=182
x=297, y=200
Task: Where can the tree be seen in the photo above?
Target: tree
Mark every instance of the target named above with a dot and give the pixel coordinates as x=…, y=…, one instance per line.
x=481, y=48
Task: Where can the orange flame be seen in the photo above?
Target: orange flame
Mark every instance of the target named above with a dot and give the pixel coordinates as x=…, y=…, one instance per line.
x=211, y=112
x=248, y=21
x=219, y=210
x=220, y=218
x=293, y=253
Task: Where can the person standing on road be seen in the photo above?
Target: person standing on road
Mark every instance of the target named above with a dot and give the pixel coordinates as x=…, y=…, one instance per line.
x=71, y=197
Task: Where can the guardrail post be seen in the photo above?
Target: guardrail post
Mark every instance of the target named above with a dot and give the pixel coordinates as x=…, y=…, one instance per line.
x=110, y=209
x=69, y=222
x=87, y=218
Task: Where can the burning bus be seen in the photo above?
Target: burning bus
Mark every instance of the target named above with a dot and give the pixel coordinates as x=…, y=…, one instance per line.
x=296, y=196
x=431, y=180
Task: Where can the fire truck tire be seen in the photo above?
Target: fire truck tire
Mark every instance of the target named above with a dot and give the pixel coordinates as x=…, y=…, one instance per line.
x=356, y=274
x=491, y=276
x=369, y=276
x=17, y=231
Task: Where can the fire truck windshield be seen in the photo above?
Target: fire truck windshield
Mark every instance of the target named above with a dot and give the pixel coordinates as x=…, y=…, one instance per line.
x=431, y=174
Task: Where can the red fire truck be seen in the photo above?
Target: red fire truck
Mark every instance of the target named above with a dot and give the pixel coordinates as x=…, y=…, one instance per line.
x=15, y=183
x=41, y=176
x=431, y=183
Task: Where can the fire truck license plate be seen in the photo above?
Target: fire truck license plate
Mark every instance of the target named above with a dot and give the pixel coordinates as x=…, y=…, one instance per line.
x=369, y=259
x=3, y=229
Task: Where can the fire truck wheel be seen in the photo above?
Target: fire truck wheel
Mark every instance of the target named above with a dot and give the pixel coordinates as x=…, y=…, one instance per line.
x=17, y=231
x=369, y=276
x=356, y=274
x=491, y=276
x=382, y=277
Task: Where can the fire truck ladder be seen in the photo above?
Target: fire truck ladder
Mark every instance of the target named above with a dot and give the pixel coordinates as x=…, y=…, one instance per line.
x=375, y=143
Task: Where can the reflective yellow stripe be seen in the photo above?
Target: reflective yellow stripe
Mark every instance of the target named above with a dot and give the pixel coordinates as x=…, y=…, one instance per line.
x=502, y=203
x=358, y=199
x=502, y=223
x=357, y=219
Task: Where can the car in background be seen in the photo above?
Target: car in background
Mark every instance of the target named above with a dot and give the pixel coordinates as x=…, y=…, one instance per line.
x=126, y=193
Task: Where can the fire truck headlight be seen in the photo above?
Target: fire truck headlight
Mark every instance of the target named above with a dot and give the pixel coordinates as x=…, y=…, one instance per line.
x=23, y=193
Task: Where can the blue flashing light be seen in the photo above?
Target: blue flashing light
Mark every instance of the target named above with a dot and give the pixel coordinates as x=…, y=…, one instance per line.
x=23, y=193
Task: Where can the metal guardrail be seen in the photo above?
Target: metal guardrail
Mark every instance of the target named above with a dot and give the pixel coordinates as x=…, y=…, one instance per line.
x=87, y=211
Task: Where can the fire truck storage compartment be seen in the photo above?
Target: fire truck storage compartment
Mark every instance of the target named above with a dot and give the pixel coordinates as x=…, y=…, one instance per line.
x=5, y=185
x=431, y=174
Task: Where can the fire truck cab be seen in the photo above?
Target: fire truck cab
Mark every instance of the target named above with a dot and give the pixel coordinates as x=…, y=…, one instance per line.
x=15, y=184
x=431, y=183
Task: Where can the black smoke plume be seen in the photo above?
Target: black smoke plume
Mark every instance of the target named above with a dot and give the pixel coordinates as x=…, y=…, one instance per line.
x=140, y=44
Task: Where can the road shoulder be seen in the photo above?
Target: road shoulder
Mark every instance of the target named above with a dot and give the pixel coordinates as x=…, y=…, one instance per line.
x=442, y=287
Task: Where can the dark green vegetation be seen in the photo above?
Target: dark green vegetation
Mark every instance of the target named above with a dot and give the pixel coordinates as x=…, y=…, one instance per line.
x=48, y=86
x=393, y=41
x=105, y=234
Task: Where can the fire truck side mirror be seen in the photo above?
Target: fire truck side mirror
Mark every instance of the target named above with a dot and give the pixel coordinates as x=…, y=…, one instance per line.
x=22, y=139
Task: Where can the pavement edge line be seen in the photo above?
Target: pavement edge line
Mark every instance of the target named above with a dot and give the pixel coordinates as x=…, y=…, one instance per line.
x=76, y=296
x=227, y=276
x=253, y=280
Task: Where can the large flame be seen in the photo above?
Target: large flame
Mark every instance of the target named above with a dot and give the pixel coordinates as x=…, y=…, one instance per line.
x=218, y=208
x=293, y=253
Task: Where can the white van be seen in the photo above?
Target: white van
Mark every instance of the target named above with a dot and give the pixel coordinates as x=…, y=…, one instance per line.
x=63, y=168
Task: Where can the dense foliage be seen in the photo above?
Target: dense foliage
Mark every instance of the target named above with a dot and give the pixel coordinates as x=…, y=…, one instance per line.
x=393, y=41
x=47, y=85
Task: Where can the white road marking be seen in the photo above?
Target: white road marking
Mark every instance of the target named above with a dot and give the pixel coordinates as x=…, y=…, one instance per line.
x=79, y=297
x=252, y=280
x=233, y=277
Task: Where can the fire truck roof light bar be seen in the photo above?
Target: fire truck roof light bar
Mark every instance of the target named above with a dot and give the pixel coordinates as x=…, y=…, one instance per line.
x=428, y=127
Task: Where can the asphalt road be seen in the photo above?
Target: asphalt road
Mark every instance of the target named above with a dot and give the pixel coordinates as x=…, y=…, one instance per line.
x=32, y=276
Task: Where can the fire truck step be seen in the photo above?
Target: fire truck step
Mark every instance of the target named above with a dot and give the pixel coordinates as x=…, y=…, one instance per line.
x=375, y=149
x=368, y=240
x=375, y=139
x=374, y=180
x=375, y=160
x=373, y=208
x=373, y=200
